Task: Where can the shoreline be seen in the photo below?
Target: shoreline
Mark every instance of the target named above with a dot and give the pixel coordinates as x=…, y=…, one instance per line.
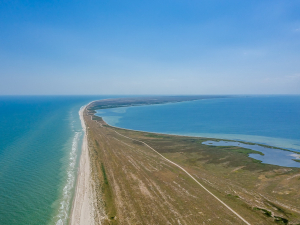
x=289, y=143
x=82, y=207
x=204, y=136
x=296, y=154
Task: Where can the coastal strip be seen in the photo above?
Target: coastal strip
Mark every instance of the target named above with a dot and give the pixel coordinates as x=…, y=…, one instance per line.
x=129, y=177
x=82, y=210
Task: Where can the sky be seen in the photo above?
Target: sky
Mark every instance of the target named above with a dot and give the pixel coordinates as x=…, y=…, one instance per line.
x=178, y=47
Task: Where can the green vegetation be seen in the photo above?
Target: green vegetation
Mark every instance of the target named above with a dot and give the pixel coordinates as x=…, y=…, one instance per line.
x=277, y=219
x=108, y=196
x=104, y=174
x=278, y=208
x=234, y=196
x=266, y=212
x=281, y=220
x=103, y=189
x=155, y=135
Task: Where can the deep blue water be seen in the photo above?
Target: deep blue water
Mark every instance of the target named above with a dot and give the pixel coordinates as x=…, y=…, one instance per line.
x=271, y=120
x=40, y=141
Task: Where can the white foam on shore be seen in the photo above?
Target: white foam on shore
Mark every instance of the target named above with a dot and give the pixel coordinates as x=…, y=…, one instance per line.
x=68, y=189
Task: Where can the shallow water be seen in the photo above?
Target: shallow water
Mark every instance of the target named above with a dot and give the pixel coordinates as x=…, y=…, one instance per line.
x=40, y=144
x=271, y=155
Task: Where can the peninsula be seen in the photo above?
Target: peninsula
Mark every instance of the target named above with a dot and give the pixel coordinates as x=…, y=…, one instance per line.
x=133, y=177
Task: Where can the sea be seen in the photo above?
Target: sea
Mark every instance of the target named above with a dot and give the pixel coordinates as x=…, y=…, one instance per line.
x=41, y=137
x=40, y=145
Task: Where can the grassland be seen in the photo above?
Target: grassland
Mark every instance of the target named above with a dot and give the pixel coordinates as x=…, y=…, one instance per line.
x=135, y=185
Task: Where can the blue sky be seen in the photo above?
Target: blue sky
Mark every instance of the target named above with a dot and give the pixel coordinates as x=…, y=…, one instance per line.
x=149, y=47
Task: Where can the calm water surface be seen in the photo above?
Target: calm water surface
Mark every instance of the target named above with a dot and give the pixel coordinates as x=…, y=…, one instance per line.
x=269, y=156
x=271, y=120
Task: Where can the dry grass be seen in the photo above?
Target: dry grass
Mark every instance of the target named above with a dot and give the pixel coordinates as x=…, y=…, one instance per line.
x=137, y=186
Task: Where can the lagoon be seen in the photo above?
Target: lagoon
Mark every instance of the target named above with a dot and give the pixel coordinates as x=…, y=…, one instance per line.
x=269, y=120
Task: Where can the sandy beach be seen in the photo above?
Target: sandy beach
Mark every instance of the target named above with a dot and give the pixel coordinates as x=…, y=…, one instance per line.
x=82, y=210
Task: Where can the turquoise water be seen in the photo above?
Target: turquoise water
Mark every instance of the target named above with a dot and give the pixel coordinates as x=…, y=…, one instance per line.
x=271, y=120
x=40, y=144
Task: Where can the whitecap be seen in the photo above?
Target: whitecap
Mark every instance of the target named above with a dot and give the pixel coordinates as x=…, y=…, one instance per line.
x=65, y=202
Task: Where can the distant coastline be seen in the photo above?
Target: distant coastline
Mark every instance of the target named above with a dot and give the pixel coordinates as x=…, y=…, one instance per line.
x=218, y=118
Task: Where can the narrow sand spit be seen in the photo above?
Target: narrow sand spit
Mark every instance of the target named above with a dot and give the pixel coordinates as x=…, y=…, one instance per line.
x=83, y=210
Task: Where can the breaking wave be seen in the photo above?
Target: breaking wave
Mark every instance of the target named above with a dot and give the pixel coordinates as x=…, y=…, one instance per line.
x=65, y=203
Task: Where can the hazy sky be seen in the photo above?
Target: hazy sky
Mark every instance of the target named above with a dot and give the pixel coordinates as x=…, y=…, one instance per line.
x=149, y=47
